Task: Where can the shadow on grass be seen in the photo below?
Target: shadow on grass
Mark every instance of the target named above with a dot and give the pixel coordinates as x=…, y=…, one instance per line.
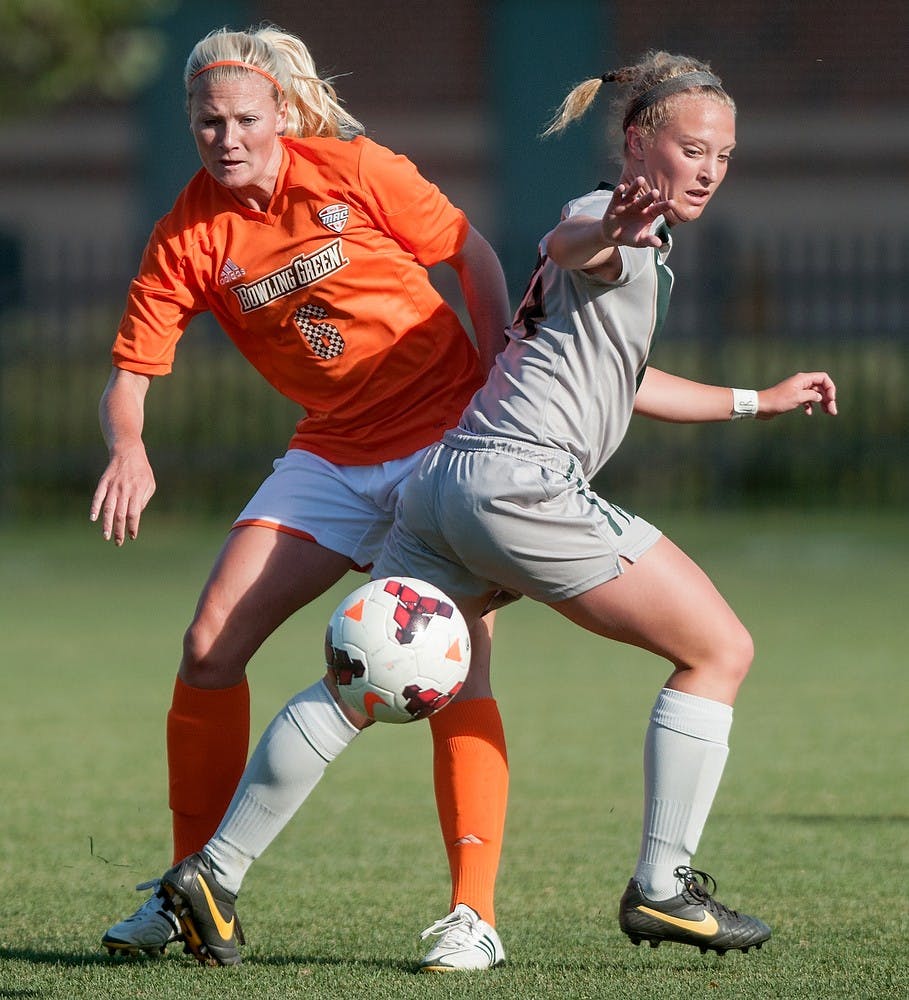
x=644, y=964
x=822, y=818
x=329, y=961
x=77, y=960
x=645, y=961
x=68, y=959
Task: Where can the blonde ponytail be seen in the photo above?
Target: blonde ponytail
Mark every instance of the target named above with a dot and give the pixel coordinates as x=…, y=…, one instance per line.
x=645, y=89
x=574, y=106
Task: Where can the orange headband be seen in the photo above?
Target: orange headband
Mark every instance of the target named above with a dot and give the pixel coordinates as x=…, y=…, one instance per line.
x=245, y=65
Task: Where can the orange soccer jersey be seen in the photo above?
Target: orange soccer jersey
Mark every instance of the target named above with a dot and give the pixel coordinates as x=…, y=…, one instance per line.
x=326, y=294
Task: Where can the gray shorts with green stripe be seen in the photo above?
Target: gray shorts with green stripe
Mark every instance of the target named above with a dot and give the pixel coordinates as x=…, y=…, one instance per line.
x=486, y=514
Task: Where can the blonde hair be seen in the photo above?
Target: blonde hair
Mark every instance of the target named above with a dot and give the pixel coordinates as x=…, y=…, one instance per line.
x=644, y=100
x=313, y=107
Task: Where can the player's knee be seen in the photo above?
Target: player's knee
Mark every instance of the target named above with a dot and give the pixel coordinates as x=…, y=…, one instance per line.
x=198, y=641
x=736, y=654
x=204, y=662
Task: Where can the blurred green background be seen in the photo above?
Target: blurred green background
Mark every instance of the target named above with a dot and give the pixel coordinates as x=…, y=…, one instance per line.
x=800, y=262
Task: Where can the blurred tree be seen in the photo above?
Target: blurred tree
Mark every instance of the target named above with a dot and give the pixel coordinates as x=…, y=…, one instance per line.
x=58, y=51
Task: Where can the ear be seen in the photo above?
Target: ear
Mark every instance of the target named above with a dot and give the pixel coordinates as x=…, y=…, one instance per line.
x=635, y=143
x=281, y=119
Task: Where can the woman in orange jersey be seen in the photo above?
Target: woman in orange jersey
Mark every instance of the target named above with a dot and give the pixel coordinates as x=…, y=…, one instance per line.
x=309, y=244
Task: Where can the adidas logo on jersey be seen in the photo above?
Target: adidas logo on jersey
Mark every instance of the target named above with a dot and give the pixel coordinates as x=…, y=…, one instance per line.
x=230, y=272
x=334, y=217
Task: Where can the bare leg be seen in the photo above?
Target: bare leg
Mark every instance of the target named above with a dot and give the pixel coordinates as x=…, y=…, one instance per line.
x=666, y=604
x=259, y=579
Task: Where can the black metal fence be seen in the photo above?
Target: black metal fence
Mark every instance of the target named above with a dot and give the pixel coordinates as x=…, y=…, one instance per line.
x=742, y=314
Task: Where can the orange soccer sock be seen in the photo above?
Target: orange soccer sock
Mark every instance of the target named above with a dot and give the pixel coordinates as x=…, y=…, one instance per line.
x=207, y=744
x=470, y=768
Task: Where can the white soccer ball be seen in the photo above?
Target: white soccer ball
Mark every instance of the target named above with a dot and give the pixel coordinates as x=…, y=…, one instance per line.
x=399, y=649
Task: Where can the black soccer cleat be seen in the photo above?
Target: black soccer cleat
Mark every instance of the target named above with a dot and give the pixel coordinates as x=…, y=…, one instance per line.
x=693, y=917
x=206, y=912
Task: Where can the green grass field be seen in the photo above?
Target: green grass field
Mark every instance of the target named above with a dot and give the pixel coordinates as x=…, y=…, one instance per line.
x=810, y=829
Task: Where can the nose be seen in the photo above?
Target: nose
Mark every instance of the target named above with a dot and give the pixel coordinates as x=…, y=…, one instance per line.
x=710, y=172
x=227, y=136
x=707, y=173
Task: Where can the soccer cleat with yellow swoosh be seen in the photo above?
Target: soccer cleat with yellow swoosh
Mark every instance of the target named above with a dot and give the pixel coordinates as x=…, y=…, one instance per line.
x=206, y=912
x=692, y=917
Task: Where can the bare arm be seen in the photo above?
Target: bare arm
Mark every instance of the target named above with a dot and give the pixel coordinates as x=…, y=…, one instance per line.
x=128, y=482
x=485, y=294
x=679, y=400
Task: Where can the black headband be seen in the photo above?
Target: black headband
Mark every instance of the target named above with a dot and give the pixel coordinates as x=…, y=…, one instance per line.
x=674, y=85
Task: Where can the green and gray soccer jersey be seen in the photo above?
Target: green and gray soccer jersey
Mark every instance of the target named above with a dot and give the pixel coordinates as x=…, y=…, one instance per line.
x=577, y=351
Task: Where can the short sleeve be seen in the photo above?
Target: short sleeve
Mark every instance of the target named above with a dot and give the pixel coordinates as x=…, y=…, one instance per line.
x=594, y=204
x=411, y=209
x=160, y=303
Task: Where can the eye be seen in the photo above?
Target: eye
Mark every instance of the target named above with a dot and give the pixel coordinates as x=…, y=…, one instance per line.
x=691, y=152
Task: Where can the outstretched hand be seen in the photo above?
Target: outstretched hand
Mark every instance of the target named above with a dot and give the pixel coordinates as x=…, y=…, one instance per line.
x=804, y=389
x=632, y=211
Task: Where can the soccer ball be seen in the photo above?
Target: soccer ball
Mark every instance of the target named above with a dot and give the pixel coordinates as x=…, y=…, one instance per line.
x=398, y=648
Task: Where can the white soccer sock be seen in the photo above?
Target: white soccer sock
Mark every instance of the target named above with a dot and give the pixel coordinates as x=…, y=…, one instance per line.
x=685, y=751
x=290, y=758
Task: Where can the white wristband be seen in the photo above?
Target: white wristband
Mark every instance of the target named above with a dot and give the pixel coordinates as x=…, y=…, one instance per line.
x=744, y=403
